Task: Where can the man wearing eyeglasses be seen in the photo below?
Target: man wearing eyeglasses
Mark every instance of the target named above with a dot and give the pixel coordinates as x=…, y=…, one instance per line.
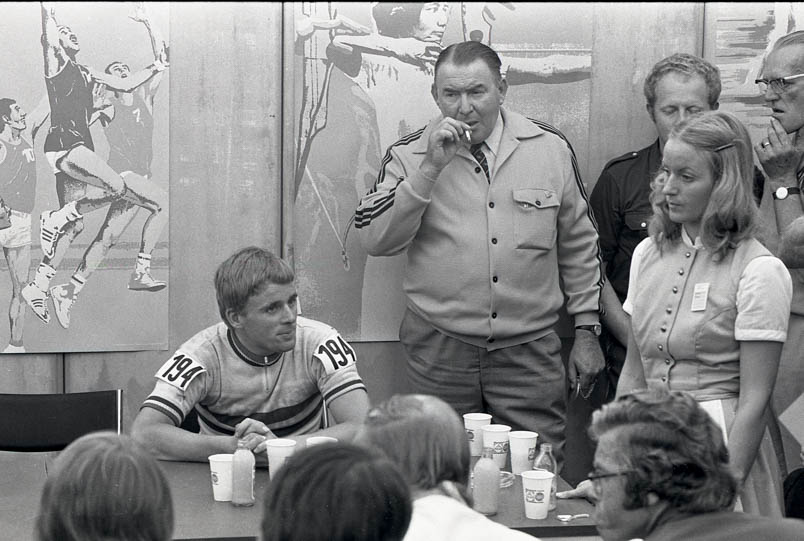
x=661, y=473
x=781, y=153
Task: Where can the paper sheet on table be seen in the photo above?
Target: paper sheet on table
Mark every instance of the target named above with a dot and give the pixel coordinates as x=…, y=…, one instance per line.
x=715, y=410
x=793, y=419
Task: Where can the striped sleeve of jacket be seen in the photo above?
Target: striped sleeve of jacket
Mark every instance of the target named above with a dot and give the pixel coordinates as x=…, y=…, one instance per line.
x=388, y=216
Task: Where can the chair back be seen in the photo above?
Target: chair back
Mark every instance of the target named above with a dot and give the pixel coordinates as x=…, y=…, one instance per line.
x=50, y=422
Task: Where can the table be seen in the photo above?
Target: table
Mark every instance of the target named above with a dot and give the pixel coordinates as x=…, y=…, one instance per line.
x=512, y=514
x=198, y=516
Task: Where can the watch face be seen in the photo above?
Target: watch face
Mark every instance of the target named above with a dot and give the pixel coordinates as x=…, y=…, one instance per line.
x=781, y=193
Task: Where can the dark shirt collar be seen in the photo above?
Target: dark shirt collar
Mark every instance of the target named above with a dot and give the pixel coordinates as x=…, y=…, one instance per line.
x=249, y=356
x=655, y=155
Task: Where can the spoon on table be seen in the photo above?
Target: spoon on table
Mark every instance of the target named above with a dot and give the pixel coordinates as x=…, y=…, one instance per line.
x=567, y=518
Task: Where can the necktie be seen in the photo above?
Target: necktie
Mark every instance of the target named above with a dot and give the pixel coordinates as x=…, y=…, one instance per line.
x=480, y=156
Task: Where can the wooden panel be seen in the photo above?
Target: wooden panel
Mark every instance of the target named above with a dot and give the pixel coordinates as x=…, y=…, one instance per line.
x=288, y=98
x=225, y=147
x=628, y=40
x=382, y=367
x=31, y=373
x=225, y=118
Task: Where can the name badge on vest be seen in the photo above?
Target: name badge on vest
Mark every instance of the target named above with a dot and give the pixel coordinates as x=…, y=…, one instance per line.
x=699, y=295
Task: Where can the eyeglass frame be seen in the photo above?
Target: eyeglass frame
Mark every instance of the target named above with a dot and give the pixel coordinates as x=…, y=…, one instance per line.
x=596, y=475
x=775, y=84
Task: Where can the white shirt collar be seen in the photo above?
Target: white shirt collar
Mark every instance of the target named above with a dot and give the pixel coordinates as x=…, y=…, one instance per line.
x=697, y=243
x=494, y=138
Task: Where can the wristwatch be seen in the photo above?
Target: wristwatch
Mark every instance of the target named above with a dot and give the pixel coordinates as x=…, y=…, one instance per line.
x=591, y=328
x=782, y=193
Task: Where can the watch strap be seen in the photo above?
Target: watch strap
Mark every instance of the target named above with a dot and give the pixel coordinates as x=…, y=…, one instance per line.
x=591, y=328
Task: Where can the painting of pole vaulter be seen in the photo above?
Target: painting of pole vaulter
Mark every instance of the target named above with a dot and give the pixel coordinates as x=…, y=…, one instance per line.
x=84, y=176
x=362, y=78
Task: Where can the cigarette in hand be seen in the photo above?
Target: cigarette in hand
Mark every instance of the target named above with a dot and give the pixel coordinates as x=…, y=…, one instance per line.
x=468, y=134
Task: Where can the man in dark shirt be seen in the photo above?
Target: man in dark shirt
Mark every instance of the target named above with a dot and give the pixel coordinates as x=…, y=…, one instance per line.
x=677, y=86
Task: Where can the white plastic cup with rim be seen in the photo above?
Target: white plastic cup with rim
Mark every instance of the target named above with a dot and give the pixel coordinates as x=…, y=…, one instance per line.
x=473, y=422
x=318, y=440
x=220, y=469
x=496, y=437
x=523, y=450
x=278, y=450
x=536, y=486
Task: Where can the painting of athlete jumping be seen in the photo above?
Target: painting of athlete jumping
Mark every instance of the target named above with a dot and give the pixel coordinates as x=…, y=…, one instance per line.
x=88, y=255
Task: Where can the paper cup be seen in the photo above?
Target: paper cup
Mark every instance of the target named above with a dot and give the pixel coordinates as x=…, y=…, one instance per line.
x=473, y=423
x=536, y=491
x=220, y=469
x=523, y=450
x=278, y=452
x=318, y=440
x=496, y=437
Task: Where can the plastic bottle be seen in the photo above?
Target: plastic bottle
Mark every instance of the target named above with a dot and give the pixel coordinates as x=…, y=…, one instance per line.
x=243, y=476
x=546, y=461
x=486, y=492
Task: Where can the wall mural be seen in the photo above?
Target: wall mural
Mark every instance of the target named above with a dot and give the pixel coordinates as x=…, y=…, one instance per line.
x=743, y=34
x=362, y=77
x=84, y=176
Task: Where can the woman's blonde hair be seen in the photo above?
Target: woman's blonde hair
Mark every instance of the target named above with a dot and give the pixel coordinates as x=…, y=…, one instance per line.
x=731, y=213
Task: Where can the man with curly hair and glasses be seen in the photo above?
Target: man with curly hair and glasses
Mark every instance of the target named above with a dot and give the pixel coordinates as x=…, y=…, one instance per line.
x=661, y=473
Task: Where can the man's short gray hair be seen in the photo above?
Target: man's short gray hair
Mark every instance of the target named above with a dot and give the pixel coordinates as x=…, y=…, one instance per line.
x=790, y=40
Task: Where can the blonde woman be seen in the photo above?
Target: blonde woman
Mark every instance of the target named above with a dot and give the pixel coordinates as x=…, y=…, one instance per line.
x=709, y=304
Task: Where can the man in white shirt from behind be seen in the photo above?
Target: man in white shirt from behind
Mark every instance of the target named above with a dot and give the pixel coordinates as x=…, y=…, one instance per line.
x=426, y=438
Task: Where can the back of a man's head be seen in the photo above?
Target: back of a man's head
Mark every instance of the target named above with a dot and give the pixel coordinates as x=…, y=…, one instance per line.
x=465, y=53
x=337, y=492
x=105, y=486
x=673, y=447
x=687, y=65
x=244, y=274
x=423, y=435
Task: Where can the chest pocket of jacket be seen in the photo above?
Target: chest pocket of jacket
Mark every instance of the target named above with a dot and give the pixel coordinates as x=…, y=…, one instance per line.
x=535, y=215
x=637, y=223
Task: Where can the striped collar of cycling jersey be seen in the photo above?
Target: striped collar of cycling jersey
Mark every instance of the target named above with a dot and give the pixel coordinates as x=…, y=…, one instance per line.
x=249, y=356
